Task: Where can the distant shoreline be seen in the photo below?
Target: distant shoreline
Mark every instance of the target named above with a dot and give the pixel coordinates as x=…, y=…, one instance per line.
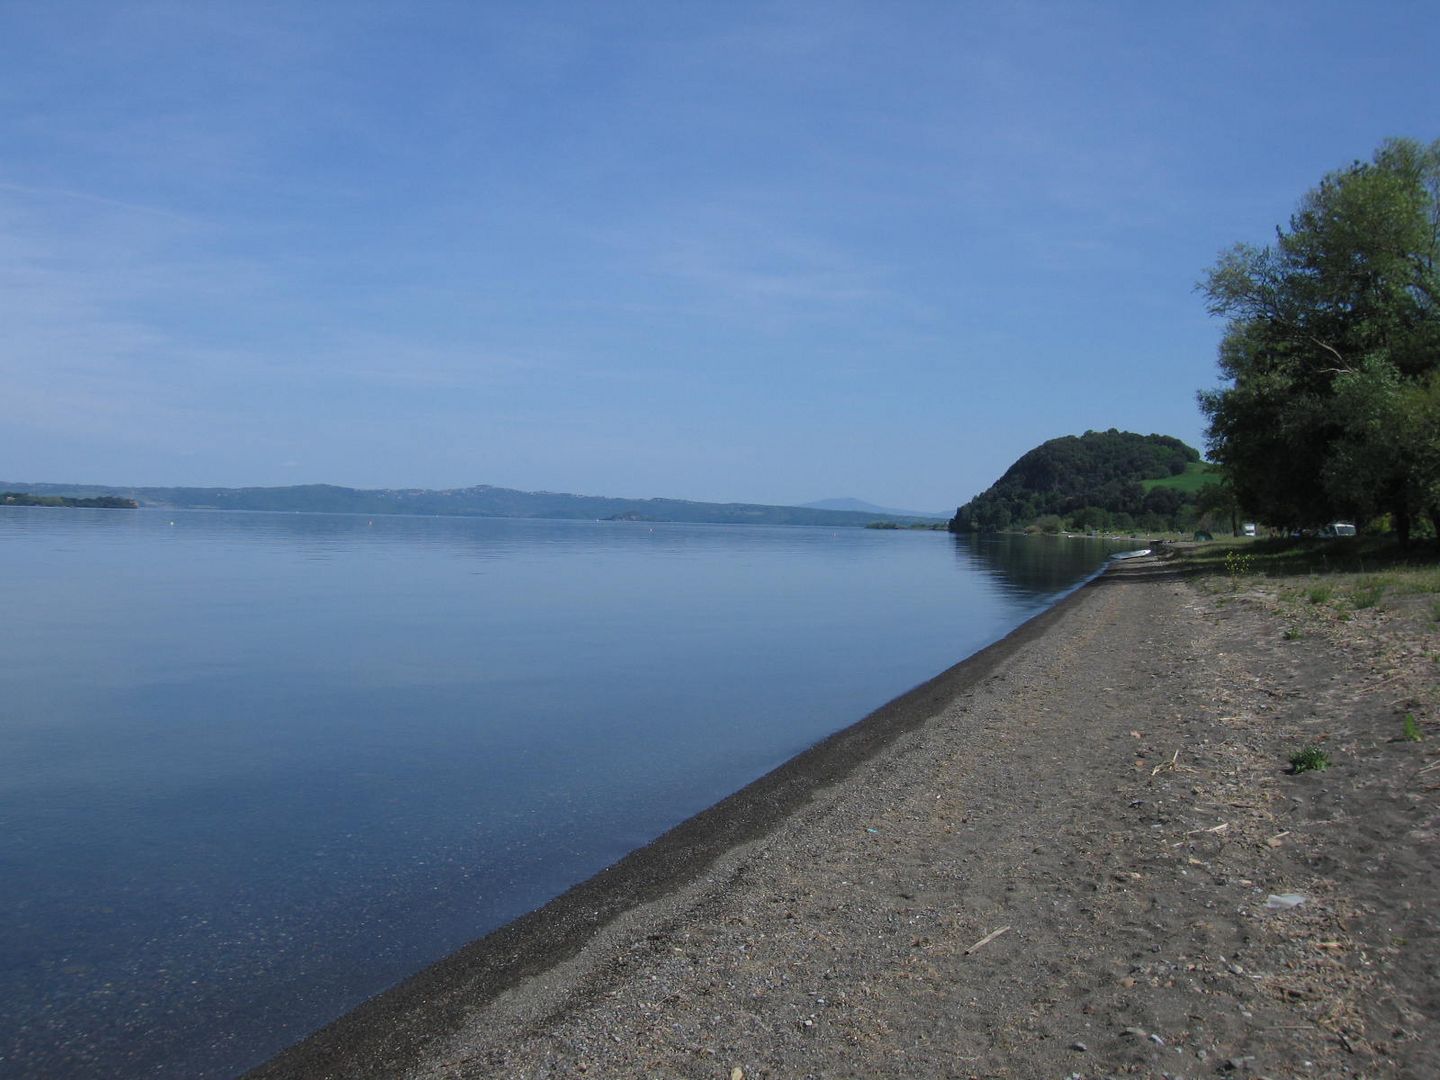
x=481, y=500
x=98, y=502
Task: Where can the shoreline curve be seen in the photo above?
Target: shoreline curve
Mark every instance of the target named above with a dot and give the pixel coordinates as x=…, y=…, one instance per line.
x=388, y=1033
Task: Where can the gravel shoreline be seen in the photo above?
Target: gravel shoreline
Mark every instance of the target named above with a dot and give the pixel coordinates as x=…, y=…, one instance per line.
x=1053, y=860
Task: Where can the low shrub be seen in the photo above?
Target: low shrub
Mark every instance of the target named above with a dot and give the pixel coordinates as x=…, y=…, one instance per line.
x=1310, y=759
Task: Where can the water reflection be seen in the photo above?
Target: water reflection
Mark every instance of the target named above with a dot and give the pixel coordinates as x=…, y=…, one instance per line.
x=1034, y=565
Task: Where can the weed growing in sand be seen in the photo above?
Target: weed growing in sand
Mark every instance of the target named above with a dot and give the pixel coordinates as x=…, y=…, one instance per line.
x=1368, y=595
x=1310, y=759
x=1293, y=633
x=1237, y=565
x=1320, y=594
x=1411, y=730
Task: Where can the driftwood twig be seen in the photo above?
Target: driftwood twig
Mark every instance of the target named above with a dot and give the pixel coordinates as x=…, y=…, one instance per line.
x=1213, y=828
x=986, y=939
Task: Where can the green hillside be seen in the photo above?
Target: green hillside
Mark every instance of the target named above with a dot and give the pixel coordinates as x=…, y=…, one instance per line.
x=1102, y=480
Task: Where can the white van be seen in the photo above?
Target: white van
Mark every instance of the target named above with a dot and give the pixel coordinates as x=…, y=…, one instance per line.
x=1248, y=529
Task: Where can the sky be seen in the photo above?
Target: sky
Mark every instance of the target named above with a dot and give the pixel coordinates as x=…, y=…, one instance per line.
x=730, y=251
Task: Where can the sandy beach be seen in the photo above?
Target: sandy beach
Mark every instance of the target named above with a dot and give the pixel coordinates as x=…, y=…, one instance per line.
x=1078, y=854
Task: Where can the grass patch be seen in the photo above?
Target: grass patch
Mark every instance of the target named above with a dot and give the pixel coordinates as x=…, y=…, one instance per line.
x=1415, y=569
x=1197, y=474
x=1411, y=730
x=1418, y=581
x=1310, y=759
x=1367, y=594
x=1293, y=633
x=1345, y=574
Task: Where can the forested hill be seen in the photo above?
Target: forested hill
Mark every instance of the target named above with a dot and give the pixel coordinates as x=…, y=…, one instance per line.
x=1100, y=480
x=479, y=501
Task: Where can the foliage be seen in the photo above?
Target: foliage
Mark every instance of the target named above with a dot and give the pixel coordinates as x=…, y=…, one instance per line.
x=1332, y=351
x=1411, y=730
x=1310, y=759
x=1092, y=481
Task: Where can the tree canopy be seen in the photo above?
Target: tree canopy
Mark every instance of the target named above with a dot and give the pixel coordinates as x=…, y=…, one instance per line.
x=1331, y=354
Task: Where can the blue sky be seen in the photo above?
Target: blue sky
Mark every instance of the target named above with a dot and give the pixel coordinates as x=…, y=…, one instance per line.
x=722, y=251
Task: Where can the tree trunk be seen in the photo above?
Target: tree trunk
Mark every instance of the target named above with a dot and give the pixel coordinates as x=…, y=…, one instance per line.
x=1402, y=526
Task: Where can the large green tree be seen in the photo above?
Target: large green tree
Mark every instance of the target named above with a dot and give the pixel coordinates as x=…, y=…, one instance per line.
x=1332, y=351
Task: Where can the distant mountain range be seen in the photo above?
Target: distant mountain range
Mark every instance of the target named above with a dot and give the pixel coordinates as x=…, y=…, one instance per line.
x=859, y=506
x=479, y=501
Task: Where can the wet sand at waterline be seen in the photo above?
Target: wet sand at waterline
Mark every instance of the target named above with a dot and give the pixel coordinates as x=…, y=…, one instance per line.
x=1075, y=854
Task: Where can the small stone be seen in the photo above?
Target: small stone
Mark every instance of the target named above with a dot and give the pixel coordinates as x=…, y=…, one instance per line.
x=1283, y=901
x=1157, y=1040
x=1079, y=1046
x=737, y=1073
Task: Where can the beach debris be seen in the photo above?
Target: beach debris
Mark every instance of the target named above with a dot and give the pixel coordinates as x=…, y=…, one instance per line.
x=1212, y=829
x=1166, y=765
x=737, y=1073
x=1077, y=1045
x=986, y=939
x=1274, y=841
x=1283, y=901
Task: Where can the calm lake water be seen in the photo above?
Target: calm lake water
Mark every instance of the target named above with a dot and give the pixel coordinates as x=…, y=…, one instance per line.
x=255, y=768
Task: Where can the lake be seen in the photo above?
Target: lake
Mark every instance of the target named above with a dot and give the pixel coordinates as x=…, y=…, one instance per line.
x=255, y=768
